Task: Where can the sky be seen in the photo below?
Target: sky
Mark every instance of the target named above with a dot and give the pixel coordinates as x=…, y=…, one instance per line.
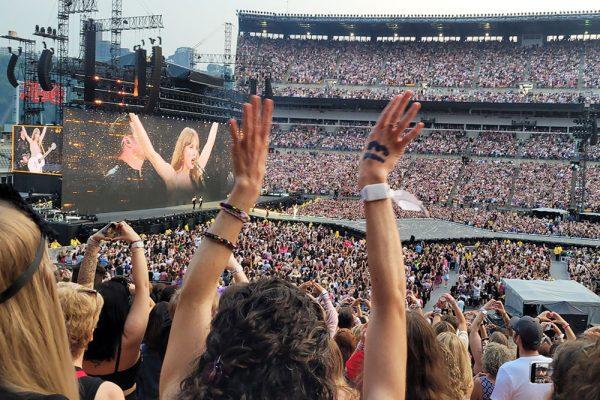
x=201, y=23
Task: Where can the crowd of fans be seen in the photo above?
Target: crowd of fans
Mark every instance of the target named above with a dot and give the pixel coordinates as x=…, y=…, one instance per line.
x=549, y=146
x=379, y=92
x=496, y=220
x=435, y=141
x=253, y=309
x=481, y=183
x=542, y=185
x=452, y=64
x=584, y=267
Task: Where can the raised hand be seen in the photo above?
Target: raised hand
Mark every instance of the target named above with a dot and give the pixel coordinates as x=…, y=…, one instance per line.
x=126, y=233
x=388, y=140
x=250, y=145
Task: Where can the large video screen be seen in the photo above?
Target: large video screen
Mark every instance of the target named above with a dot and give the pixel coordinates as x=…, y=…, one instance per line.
x=118, y=161
x=37, y=149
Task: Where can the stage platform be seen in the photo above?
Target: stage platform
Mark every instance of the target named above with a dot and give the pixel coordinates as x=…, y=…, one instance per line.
x=166, y=211
x=431, y=229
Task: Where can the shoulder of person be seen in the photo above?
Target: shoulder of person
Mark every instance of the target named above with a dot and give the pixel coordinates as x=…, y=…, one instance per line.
x=109, y=391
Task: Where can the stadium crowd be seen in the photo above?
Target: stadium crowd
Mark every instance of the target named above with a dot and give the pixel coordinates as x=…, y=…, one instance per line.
x=482, y=182
x=242, y=309
x=434, y=141
x=496, y=220
x=482, y=70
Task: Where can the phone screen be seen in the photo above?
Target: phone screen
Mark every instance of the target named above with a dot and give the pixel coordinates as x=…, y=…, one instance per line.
x=541, y=372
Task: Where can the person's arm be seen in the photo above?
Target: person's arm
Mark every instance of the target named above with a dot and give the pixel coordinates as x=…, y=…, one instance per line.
x=43, y=134
x=87, y=269
x=460, y=317
x=236, y=270
x=137, y=319
x=191, y=323
x=475, y=343
x=385, y=365
x=163, y=168
x=499, y=307
x=558, y=319
x=109, y=391
x=208, y=146
x=331, y=315
x=24, y=135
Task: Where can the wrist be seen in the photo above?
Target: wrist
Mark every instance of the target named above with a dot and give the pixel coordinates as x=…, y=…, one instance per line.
x=134, y=239
x=92, y=241
x=370, y=178
x=244, y=196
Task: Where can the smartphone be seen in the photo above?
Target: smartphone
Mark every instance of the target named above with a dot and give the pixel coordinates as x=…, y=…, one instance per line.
x=110, y=230
x=541, y=372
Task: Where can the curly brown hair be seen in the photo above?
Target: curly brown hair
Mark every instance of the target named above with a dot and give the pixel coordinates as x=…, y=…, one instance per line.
x=268, y=340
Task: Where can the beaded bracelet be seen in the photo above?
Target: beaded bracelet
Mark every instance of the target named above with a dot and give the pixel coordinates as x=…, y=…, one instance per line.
x=220, y=240
x=235, y=212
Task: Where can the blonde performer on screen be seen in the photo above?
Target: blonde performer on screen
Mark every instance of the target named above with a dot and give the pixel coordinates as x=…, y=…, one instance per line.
x=37, y=156
x=186, y=170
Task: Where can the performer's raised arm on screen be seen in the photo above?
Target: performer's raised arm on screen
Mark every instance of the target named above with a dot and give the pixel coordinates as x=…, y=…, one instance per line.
x=186, y=170
x=207, y=149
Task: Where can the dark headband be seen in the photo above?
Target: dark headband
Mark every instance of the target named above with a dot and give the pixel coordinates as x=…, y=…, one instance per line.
x=25, y=276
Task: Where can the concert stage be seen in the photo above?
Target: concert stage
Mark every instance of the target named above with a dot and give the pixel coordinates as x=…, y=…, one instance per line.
x=152, y=220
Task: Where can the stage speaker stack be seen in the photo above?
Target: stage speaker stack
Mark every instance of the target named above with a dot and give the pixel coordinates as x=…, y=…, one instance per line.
x=44, y=68
x=139, y=81
x=157, y=63
x=10, y=70
x=89, y=63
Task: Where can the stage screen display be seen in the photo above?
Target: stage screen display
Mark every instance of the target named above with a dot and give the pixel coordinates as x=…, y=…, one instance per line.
x=37, y=149
x=118, y=161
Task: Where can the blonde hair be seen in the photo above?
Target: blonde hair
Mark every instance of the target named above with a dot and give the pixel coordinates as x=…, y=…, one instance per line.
x=459, y=365
x=81, y=308
x=494, y=355
x=186, y=137
x=34, y=352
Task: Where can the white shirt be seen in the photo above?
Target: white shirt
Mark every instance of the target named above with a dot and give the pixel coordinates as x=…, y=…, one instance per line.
x=512, y=381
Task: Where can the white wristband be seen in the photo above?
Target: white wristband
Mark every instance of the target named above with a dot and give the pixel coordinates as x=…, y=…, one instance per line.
x=378, y=191
x=138, y=244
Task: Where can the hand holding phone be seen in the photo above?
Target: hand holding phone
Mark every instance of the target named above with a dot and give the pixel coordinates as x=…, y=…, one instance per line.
x=541, y=372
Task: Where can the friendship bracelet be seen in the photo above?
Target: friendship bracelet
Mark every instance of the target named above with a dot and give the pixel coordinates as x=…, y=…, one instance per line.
x=220, y=240
x=235, y=212
x=244, y=218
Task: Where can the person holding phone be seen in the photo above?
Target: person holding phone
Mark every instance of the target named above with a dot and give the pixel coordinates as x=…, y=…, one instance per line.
x=514, y=378
x=114, y=353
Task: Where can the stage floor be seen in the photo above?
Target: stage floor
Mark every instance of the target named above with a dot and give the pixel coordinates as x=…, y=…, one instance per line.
x=164, y=212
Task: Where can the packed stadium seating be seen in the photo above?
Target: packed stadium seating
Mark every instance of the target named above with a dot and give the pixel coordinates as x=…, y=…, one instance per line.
x=484, y=71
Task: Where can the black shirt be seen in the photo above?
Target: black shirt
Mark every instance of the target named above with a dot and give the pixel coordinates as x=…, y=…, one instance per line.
x=131, y=188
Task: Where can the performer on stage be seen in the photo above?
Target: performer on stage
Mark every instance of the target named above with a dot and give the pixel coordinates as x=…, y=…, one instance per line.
x=186, y=170
x=194, y=199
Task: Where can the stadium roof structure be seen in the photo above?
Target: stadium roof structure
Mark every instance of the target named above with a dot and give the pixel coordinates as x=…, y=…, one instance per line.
x=556, y=23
